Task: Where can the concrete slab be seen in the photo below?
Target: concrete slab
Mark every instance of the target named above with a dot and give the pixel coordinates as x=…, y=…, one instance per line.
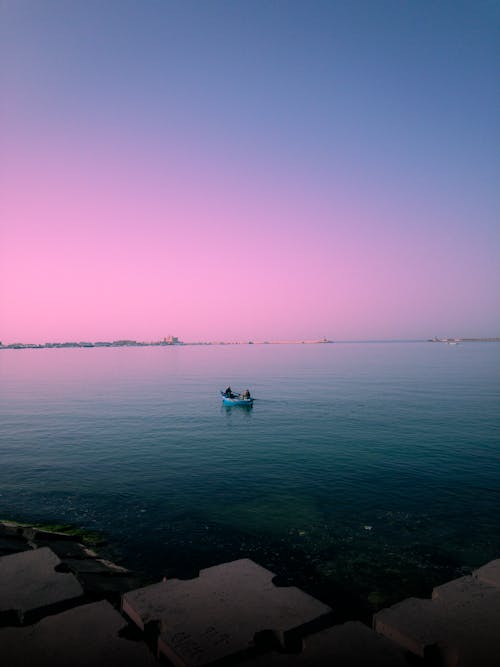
x=470, y=609
x=29, y=582
x=87, y=636
x=219, y=613
x=465, y=594
x=412, y=624
x=349, y=645
x=489, y=573
x=460, y=626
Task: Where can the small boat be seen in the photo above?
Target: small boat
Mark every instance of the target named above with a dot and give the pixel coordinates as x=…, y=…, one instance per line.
x=236, y=399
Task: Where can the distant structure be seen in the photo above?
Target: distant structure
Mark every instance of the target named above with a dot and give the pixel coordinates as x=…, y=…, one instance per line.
x=450, y=341
x=170, y=340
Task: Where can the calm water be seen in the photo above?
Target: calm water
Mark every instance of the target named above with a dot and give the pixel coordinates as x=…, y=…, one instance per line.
x=363, y=473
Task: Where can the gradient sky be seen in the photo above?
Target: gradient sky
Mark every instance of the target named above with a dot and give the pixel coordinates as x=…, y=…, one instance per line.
x=233, y=170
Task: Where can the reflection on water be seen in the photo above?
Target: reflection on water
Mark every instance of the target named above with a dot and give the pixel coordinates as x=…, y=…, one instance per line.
x=228, y=409
x=362, y=473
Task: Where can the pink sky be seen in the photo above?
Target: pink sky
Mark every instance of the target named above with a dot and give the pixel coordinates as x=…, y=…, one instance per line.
x=119, y=222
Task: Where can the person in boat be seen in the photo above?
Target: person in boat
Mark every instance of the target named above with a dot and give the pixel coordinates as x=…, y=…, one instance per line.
x=228, y=393
x=245, y=394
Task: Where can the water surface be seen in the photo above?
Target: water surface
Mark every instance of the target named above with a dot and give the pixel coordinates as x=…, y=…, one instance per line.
x=363, y=473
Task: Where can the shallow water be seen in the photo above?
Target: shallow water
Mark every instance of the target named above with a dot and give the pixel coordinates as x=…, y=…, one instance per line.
x=363, y=473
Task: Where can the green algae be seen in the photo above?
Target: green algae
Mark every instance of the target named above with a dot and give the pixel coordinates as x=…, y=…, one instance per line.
x=377, y=600
x=87, y=537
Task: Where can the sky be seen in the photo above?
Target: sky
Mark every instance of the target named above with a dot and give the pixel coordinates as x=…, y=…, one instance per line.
x=248, y=170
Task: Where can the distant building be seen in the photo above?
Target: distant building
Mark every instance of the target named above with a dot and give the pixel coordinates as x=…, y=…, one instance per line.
x=170, y=340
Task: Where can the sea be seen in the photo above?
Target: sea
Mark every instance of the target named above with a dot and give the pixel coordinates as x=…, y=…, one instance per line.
x=364, y=473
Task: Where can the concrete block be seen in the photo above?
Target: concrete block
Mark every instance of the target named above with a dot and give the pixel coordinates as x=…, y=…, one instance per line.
x=464, y=595
x=489, y=573
x=459, y=627
x=38, y=534
x=10, y=529
x=29, y=582
x=349, y=645
x=95, y=566
x=412, y=624
x=219, y=613
x=103, y=585
x=67, y=548
x=86, y=636
x=12, y=545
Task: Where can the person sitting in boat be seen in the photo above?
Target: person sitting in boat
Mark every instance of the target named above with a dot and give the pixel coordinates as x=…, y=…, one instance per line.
x=245, y=394
x=228, y=393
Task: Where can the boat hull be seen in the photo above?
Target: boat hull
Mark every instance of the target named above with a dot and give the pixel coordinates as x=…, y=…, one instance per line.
x=237, y=401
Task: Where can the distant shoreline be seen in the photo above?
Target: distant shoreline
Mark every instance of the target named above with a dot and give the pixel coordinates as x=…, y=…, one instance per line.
x=177, y=343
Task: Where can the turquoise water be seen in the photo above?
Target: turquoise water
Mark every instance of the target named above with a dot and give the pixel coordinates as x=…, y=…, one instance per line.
x=363, y=473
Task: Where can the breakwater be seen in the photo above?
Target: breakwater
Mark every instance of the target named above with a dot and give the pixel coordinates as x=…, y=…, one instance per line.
x=61, y=603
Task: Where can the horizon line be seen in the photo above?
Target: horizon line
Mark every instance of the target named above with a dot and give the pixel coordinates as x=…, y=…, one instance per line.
x=175, y=341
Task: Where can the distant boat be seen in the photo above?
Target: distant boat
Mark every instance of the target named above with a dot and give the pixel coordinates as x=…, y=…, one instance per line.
x=237, y=399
